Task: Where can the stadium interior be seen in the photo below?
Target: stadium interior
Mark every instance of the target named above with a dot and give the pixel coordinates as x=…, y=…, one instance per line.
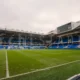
x=66, y=36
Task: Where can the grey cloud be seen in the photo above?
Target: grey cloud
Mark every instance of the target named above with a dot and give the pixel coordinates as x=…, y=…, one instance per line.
x=38, y=15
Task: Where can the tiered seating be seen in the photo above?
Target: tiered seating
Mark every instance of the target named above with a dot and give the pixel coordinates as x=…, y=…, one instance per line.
x=73, y=45
x=65, y=39
x=66, y=42
x=53, y=46
x=65, y=46
x=60, y=46
x=5, y=40
x=75, y=38
x=14, y=40
x=57, y=41
x=70, y=46
x=1, y=46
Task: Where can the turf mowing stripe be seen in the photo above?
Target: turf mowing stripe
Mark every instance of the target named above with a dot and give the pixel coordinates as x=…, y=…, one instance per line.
x=7, y=68
x=38, y=70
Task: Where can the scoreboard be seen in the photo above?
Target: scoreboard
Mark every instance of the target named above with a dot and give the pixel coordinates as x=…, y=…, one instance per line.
x=64, y=28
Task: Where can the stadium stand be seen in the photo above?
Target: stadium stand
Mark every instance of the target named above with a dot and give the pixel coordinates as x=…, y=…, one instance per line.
x=67, y=36
x=10, y=39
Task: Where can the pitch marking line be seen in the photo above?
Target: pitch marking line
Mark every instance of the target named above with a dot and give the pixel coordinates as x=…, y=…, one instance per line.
x=7, y=68
x=38, y=70
x=73, y=76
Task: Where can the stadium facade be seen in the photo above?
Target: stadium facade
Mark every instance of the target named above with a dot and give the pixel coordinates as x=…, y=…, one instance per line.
x=65, y=36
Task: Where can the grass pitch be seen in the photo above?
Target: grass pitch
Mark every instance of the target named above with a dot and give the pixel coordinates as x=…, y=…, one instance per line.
x=22, y=61
x=2, y=64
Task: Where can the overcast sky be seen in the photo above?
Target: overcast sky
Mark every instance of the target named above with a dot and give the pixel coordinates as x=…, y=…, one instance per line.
x=38, y=15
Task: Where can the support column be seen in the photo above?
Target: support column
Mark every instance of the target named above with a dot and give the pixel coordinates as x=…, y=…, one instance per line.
x=68, y=40
x=79, y=40
x=10, y=39
x=62, y=41
x=19, y=38
x=25, y=40
x=72, y=38
x=42, y=40
x=31, y=39
x=59, y=41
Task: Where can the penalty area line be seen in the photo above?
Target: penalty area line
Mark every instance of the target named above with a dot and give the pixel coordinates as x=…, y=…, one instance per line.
x=39, y=70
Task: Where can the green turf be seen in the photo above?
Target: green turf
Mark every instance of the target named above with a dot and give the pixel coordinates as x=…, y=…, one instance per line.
x=60, y=73
x=21, y=61
x=2, y=64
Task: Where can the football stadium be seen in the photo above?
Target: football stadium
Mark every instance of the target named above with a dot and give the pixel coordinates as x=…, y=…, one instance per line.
x=33, y=56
